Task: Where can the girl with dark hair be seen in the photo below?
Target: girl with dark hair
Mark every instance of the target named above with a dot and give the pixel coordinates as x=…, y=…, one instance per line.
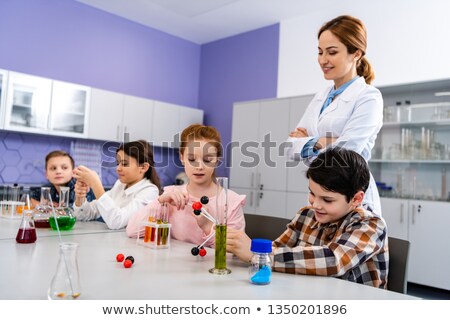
x=348, y=114
x=138, y=184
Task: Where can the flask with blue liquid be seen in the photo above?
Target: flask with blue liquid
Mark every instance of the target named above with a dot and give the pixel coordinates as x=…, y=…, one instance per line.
x=260, y=269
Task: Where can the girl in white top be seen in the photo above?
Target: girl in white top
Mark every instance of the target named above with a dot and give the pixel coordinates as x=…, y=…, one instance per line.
x=348, y=114
x=138, y=185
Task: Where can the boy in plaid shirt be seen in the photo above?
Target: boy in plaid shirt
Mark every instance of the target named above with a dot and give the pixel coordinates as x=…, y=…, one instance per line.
x=334, y=236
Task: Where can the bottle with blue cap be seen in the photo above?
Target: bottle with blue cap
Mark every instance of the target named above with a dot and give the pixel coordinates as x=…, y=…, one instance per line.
x=260, y=269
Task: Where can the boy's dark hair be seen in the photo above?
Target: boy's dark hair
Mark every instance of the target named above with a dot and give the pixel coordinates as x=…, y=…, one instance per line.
x=58, y=153
x=142, y=151
x=340, y=170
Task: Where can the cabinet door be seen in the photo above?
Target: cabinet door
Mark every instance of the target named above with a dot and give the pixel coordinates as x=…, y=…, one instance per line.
x=3, y=80
x=69, y=109
x=137, y=118
x=28, y=103
x=295, y=201
x=105, y=117
x=395, y=213
x=296, y=170
x=165, y=124
x=245, y=148
x=270, y=203
x=188, y=116
x=249, y=206
x=429, y=252
x=272, y=133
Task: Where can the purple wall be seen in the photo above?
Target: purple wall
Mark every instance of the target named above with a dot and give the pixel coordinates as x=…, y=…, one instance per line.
x=67, y=40
x=239, y=68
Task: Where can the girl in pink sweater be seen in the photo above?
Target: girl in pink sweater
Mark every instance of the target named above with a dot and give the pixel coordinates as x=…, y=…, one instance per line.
x=200, y=151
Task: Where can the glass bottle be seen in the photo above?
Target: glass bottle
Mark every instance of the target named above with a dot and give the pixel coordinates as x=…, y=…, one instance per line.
x=66, y=281
x=43, y=210
x=27, y=231
x=65, y=218
x=260, y=268
x=220, y=258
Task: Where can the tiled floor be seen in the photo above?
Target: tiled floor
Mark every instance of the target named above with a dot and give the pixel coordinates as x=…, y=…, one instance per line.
x=428, y=293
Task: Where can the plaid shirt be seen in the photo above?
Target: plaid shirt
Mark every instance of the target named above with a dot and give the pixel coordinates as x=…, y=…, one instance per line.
x=36, y=193
x=354, y=248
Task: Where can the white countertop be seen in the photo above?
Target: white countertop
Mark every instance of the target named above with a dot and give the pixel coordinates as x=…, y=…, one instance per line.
x=27, y=269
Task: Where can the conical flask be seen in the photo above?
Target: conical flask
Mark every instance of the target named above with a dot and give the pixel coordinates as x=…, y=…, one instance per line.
x=66, y=281
x=43, y=210
x=27, y=231
x=65, y=218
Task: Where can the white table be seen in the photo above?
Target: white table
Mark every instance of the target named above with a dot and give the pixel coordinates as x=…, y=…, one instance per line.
x=9, y=228
x=173, y=273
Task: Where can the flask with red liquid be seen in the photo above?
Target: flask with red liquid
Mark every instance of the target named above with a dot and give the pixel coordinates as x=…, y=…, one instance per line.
x=27, y=230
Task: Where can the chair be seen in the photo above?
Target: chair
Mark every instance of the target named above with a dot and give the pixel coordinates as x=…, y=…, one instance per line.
x=398, y=264
x=257, y=226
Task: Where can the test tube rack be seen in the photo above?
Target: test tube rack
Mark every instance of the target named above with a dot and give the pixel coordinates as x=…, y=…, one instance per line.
x=8, y=209
x=154, y=235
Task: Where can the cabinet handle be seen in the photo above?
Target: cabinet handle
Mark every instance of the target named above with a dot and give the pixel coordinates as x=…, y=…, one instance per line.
x=251, y=198
x=252, y=182
x=413, y=214
x=258, y=185
x=401, y=212
x=258, y=196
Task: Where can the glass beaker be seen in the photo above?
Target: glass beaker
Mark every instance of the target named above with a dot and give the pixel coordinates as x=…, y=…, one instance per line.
x=27, y=231
x=220, y=255
x=65, y=284
x=43, y=210
x=65, y=219
x=25, y=201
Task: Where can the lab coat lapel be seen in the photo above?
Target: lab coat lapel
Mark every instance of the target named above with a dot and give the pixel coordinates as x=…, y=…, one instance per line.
x=349, y=94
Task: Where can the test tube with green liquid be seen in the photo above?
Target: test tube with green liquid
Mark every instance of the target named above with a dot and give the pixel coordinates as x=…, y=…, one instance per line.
x=220, y=258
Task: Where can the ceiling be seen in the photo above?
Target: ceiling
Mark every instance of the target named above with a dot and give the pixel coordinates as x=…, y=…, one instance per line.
x=202, y=21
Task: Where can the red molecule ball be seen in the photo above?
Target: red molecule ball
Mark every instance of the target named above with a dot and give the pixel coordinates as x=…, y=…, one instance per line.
x=197, y=206
x=202, y=252
x=120, y=257
x=127, y=263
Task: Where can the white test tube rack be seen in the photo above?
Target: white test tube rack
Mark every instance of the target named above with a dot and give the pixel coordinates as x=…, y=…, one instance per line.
x=154, y=235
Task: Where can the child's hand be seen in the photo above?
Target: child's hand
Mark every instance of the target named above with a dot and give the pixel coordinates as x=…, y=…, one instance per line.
x=175, y=198
x=299, y=133
x=86, y=175
x=81, y=189
x=239, y=244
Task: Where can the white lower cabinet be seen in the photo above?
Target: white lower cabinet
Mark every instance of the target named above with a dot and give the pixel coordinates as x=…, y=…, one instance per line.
x=266, y=203
x=425, y=225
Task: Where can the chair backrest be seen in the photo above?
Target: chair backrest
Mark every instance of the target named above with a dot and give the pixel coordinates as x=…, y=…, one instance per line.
x=257, y=226
x=398, y=264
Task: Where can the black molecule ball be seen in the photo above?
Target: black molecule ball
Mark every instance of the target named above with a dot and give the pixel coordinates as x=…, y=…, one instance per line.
x=197, y=212
x=195, y=251
x=204, y=200
x=130, y=258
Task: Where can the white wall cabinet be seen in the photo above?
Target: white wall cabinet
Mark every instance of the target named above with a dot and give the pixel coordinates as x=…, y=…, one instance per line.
x=425, y=225
x=258, y=163
x=119, y=117
x=259, y=167
x=169, y=120
x=106, y=112
x=40, y=105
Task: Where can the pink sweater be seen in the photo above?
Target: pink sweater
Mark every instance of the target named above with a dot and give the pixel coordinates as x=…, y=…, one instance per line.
x=184, y=226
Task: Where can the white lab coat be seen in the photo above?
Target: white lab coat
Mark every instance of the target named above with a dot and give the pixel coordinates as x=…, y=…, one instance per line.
x=355, y=117
x=117, y=205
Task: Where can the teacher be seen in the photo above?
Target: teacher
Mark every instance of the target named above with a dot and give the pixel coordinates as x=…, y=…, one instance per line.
x=349, y=113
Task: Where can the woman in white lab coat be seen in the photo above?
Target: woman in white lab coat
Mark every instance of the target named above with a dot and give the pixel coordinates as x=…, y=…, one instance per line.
x=349, y=113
